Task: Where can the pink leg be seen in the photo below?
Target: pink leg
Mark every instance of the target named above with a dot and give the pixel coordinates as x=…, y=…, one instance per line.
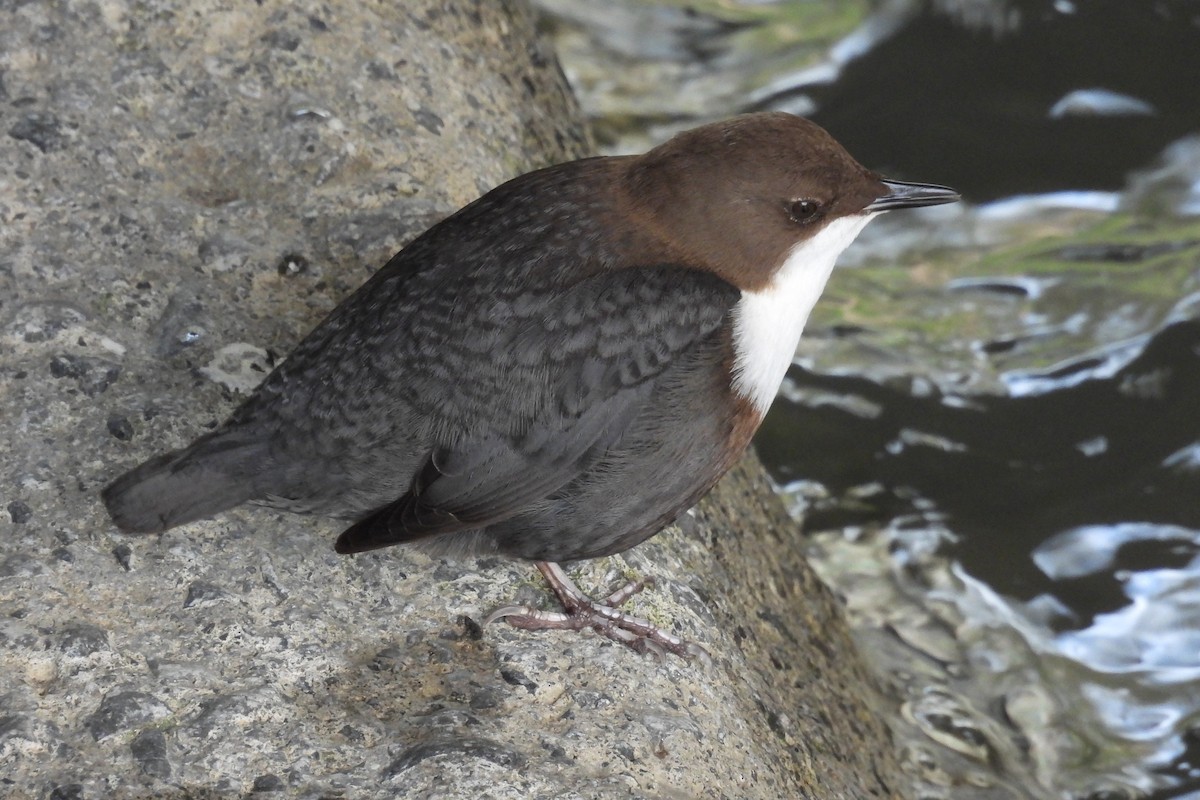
x=580, y=611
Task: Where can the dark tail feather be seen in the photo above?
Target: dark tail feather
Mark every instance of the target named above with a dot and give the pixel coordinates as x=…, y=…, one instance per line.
x=403, y=521
x=213, y=474
x=375, y=531
x=366, y=534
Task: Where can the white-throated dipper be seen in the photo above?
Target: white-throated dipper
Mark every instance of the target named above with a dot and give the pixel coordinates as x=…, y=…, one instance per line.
x=554, y=372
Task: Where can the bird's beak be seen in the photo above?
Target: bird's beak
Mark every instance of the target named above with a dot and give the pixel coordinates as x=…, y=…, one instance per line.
x=911, y=195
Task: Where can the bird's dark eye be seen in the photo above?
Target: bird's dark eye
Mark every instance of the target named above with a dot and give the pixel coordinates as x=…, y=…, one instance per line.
x=804, y=209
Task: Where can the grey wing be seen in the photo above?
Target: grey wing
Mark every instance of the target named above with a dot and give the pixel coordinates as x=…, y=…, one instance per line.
x=576, y=371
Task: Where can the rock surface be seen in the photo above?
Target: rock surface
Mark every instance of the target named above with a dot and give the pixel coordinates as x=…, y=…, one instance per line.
x=184, y=190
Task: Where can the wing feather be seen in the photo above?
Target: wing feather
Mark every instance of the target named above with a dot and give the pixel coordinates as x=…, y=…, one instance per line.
x=574, y=370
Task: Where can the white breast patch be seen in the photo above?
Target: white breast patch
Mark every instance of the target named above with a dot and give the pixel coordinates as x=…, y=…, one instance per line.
x=767, y=324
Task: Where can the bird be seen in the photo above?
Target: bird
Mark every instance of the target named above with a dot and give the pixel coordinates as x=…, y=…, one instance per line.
x=556, y=371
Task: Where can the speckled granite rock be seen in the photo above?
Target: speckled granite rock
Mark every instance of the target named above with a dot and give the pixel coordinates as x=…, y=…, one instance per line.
x=184, y=190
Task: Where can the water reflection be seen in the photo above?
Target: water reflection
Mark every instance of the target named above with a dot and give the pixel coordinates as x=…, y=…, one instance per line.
x=1013, y=469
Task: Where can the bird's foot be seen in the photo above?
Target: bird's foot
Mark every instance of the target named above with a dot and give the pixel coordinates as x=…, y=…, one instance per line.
x=580, y=611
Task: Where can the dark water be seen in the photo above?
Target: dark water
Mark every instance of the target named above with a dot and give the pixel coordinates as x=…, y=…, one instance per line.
x=1007, y=473
x=968, y=105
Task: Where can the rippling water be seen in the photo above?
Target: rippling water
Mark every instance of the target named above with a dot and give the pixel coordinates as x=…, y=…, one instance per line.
x=992, y=434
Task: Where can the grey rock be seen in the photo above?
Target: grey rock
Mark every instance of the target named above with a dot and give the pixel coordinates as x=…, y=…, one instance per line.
x=149, y=750
x=123, y=553
x=267, y=783
x=460, y=748
x=20, y=565
x=222, y=252
x=81, y=639
x=270, y=132
x=201, y=594
x=16, y=634
x=12, y=724
x=183, y=323
x=92, y=375
x=120, y=428
x=42, y=129
x=120, y=711
x=19, y=512
x=69, y=791
x=229, y=711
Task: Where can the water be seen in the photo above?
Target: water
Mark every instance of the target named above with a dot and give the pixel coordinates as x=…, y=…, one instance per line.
x=992, y=433
x=982, y=106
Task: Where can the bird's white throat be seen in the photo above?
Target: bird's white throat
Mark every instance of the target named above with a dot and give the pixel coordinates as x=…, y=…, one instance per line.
x=767, y=324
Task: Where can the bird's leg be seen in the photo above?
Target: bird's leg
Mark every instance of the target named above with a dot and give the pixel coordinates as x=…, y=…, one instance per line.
x=580, y=611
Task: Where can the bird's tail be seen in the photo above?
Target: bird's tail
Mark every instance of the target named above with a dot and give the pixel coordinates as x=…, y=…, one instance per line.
x=214, y=473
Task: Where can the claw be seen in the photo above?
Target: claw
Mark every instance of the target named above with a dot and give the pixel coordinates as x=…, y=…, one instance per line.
x=525, y=611
x=580, y=611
